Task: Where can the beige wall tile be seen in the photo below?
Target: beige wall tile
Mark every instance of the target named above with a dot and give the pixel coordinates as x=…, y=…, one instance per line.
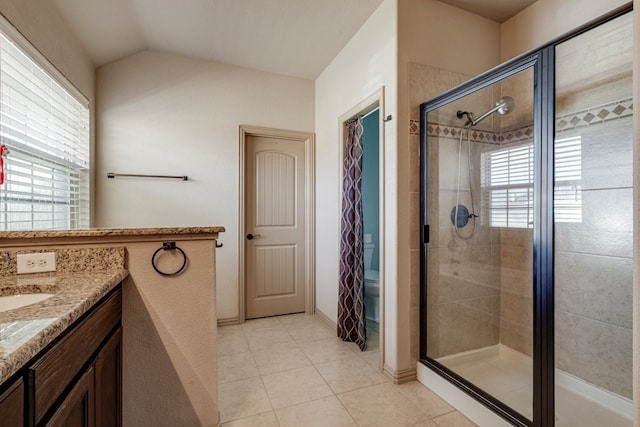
x=595, y=352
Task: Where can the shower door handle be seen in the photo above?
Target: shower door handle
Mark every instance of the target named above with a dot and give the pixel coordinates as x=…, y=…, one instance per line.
x=252, y=236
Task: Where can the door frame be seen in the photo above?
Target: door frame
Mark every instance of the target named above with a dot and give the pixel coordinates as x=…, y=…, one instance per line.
x=370, y=103
x=308, y=139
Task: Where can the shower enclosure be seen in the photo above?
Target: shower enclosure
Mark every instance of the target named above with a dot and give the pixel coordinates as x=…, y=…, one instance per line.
x=526, y=216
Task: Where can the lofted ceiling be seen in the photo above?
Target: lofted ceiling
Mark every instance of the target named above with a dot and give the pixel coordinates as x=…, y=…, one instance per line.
x=291, y=37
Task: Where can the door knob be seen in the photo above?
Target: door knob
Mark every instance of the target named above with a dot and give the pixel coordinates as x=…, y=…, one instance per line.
x=252, y=236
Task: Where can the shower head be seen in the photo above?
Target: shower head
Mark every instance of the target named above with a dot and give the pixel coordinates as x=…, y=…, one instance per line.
x=504, y=105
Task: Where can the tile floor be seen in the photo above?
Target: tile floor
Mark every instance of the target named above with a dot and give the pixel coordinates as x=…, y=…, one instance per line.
x=291, y=371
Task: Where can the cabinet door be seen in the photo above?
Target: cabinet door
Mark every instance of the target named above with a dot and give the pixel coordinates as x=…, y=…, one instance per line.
x=78, y=408
x=12, y=405
x=108, y=388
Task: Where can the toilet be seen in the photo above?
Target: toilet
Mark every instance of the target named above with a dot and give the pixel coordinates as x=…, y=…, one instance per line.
x=371, y=284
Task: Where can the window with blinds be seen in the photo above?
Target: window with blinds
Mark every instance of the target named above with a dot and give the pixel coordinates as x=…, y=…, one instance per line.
x=46, y=130
x=507, y=184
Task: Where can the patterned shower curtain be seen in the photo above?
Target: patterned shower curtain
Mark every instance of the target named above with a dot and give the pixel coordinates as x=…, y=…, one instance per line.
x=351, y=320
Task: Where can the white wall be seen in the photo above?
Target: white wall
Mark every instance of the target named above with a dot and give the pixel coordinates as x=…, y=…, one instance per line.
x=367, y=63
x=545, y=20
x=161, y=113
x=442, y=36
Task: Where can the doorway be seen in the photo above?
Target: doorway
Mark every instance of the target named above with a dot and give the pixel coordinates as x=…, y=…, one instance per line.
x=276, y=222
x=371, y=111
x=371, y=223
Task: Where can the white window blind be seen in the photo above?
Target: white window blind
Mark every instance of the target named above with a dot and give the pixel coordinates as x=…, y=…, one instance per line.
x=567, y=198
x=46, y=130
x=507, y=184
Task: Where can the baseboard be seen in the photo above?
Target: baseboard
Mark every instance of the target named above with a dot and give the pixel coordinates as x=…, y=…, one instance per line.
x=400, y=377
x=228, y=322
x=326, y=320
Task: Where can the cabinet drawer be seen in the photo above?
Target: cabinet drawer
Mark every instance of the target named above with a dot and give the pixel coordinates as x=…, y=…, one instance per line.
x=12, y=405
x=55, y=370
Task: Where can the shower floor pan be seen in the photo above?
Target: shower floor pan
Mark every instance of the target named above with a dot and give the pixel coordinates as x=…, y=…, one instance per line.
x=507, y=375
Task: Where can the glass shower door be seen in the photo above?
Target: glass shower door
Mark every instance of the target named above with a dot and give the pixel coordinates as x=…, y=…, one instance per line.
x=480, y=211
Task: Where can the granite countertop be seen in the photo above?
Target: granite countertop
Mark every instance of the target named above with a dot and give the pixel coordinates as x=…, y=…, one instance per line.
x=103, y=232
x=25, y=331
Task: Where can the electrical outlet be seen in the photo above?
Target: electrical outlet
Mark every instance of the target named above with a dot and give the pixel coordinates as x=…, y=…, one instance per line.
x=37, y=262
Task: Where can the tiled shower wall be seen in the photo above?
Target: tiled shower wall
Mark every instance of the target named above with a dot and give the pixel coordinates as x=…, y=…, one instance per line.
x=594, y=265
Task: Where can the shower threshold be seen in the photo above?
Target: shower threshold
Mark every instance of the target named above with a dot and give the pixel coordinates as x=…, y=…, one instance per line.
x=507, y=375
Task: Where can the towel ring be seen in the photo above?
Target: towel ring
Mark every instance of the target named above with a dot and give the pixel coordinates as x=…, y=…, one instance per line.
x=169, y=246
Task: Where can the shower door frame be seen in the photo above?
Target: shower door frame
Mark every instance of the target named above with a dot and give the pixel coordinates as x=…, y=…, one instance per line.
x=543, y=62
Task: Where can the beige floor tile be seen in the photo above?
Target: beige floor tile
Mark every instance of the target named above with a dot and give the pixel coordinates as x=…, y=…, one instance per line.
x=233, y=367
x=349, y=374
x=453, y=419
x=280, y=357
x=326, y=350
x=314, y=332
x=381, y=405
x=232, y=343
x=425, y=399
x=427, y=423
x=263, y=338
x=295, y=386
x=297, y=320
x=267, y=419
x=255, y=325
x=326, y=412
x=240, y=399
x=229, y=330
x=372, y=358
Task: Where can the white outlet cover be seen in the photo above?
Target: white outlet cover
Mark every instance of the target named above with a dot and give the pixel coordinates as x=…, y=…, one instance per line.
x=36, y=262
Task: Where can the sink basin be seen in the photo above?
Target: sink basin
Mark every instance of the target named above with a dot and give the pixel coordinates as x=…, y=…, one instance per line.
x=11, y=302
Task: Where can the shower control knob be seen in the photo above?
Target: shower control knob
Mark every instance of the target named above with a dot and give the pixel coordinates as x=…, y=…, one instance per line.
x=252, y=236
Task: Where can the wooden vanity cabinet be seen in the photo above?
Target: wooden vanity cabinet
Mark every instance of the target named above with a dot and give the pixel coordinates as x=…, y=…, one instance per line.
x=95, y=399
x=77, y=379
x=12, y=404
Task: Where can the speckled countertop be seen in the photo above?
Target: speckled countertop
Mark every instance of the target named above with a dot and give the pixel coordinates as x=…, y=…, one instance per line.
x=83, y=276
x=103, y=232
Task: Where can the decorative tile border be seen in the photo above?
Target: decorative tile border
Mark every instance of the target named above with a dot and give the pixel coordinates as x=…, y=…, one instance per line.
x=475, y=135
x=599, y=114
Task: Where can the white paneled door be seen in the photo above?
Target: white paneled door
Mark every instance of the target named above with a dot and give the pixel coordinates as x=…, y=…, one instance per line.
x=275, y=226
